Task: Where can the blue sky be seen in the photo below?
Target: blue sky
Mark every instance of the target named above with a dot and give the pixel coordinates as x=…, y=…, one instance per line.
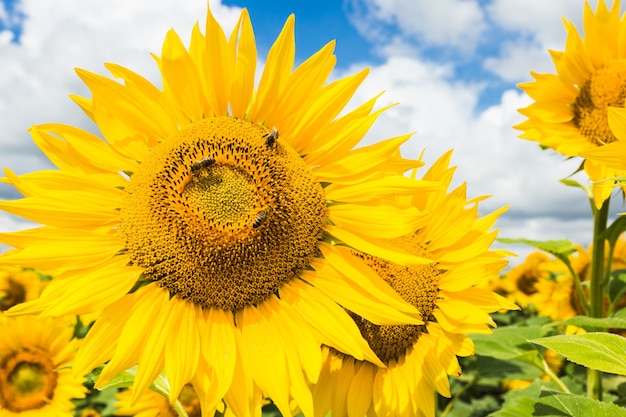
x=13, y=18
x=316, y=24
x=452, y=66
x=320, y=21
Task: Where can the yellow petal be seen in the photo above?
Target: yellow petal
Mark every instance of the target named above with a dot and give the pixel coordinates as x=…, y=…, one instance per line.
x=243, y=48
x=382, y=221
x=275, y=74
x=334, y=326
x=359, y=397
x=181, y=76
x=218, y=69
x=220, y=350
x=376, y=247
x=261, y=343
x=182, y=346
x=93, y=250
x=355, y=270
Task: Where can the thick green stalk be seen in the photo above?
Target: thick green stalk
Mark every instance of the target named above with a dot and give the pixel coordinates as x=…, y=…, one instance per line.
x=596, y=289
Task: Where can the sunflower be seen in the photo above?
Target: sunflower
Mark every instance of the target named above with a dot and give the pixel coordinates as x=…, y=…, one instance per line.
x=555, y=296
x=152, y=404
x=519, y=283
x=419, y=358
x=208, y=225
x=17, y=286
x=34, y=376
x=569, y=113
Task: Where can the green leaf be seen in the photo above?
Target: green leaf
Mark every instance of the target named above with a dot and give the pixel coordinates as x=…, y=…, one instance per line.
x=602, y=351
x=519, y=402
x=562, y=249
x=109, y=399
x=615, y=230
x=573, y=183
x=592, y=323
x=620, y=314
x=459, y=409
x=510, y=343
x=554, y=403
x=122, y=380
x=617, y=285
x=487, y=367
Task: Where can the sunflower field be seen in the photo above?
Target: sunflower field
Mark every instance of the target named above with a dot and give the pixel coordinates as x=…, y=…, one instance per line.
x=229, y=247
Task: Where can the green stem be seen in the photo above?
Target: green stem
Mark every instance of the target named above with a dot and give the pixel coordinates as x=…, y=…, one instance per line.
x=579, y=289
x=546, y=369
x=596, y=290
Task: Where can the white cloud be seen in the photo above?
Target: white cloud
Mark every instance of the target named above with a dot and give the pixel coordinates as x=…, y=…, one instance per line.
x=37, y=74
x=541, y=20
x=458, y=23
x=514, y=63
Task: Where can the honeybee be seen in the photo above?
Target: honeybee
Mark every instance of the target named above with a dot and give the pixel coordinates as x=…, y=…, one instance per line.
x=262, y=216
x=203, y=163
x=270, y=138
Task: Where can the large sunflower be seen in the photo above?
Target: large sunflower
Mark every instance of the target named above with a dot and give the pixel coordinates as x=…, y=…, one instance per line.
x=194, y=223
x=35, y=379
x=419, y=358
x=569, y=113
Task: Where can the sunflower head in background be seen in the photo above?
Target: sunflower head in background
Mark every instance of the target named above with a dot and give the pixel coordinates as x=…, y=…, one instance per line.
x=35, y=379
x=18, y=286
x=569, y=112
x=209, y=222
x=419, y=358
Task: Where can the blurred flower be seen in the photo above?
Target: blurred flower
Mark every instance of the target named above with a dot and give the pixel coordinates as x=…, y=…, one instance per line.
x=18, y=286
x=518, y=284
x=569, y=113
x=90, y=412
x=35, y=379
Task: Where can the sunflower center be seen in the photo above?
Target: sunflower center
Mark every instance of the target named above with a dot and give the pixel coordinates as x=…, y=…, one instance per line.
x=526, y=283
x=222, y=214
x=606, y=87
x=12, y=294
x=223, y=193
x=27, y=381
x=418, y=286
